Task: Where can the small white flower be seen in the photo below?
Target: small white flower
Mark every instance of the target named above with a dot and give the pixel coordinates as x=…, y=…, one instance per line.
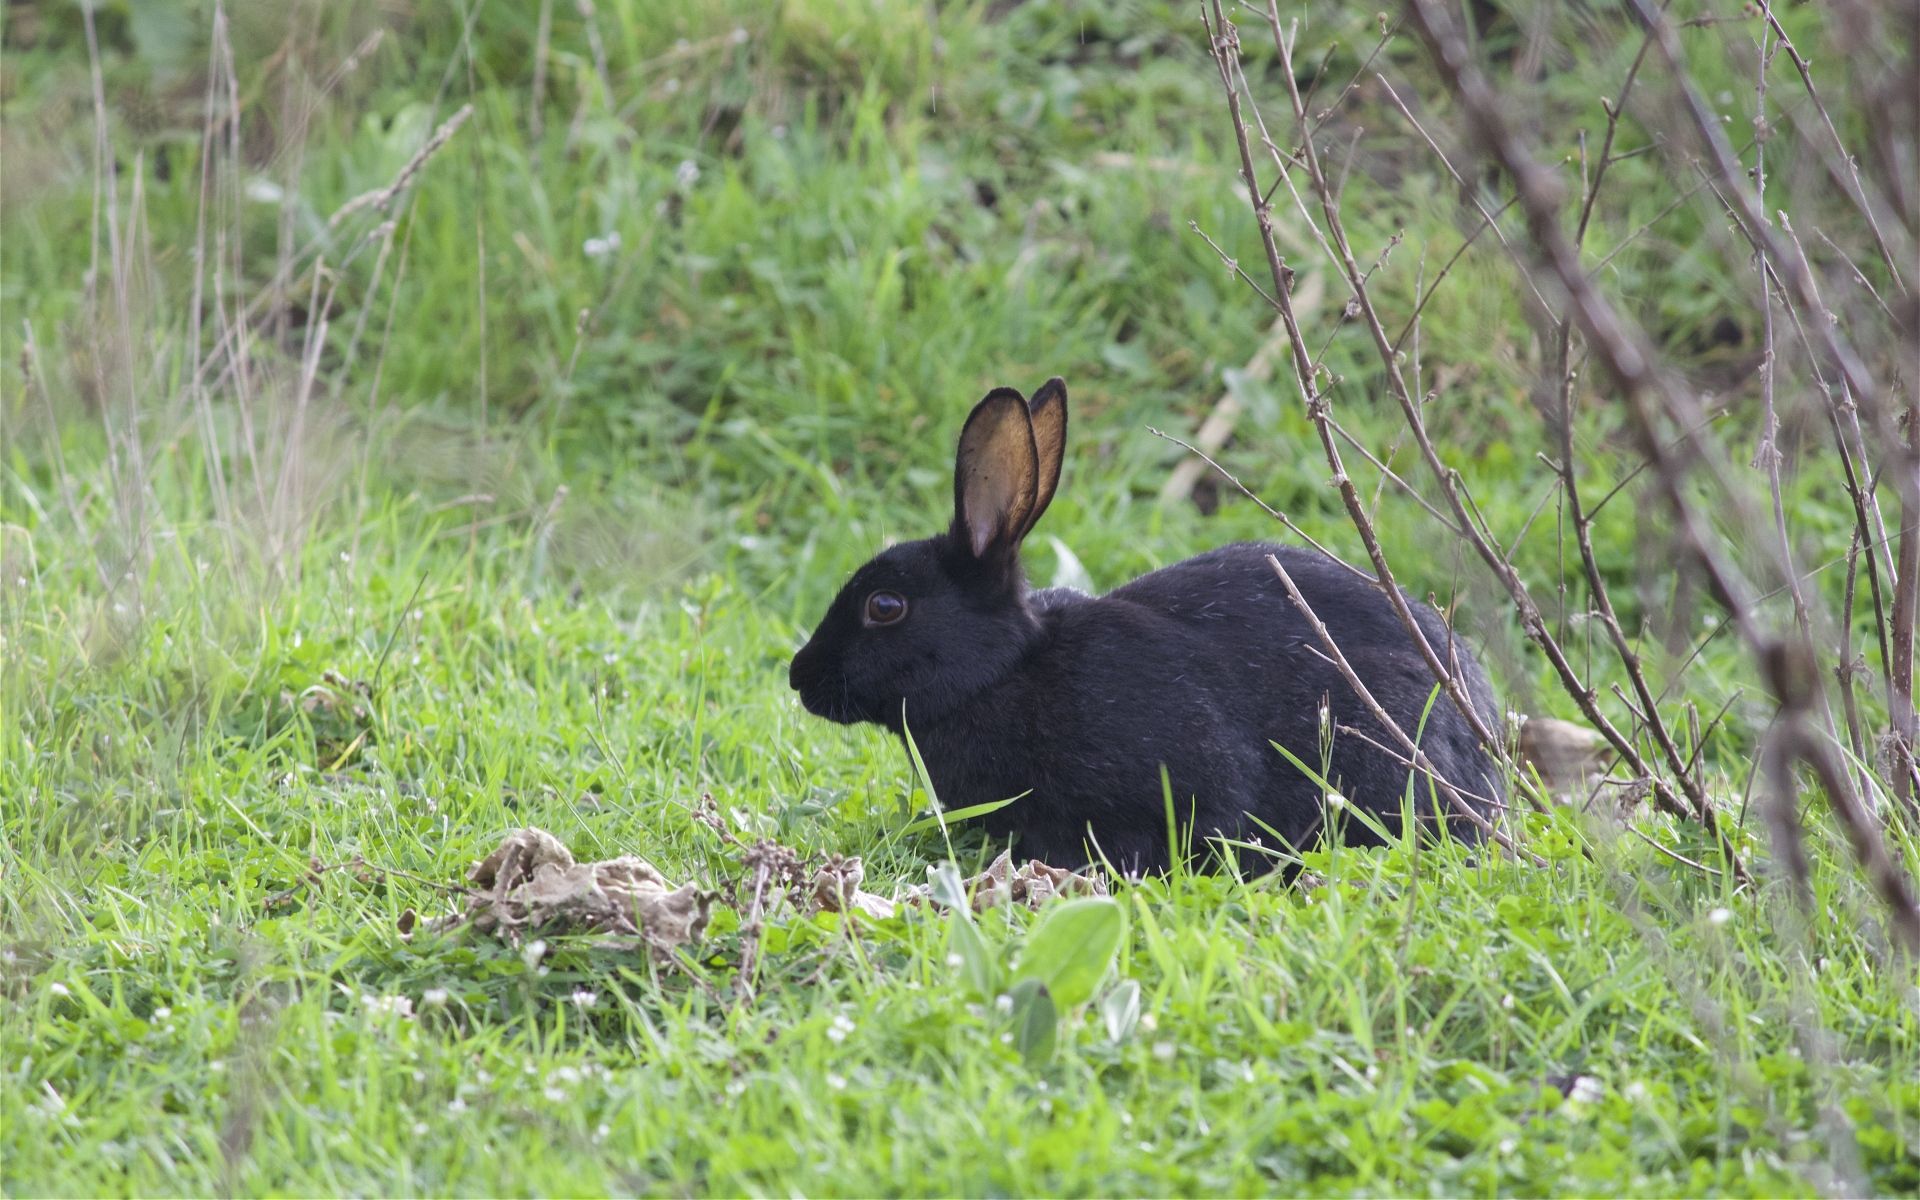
x=600, y=247
x=1003, y=1004
x=954, y=960
x=434, y=997
x=1164, y=1051
x=1719, y=916
x=1635, y=1091
x=456, y=1105
x=557, y=1095
x=1336, y=800
x=1586, y=1090
x=736, y=1087
x=59, y=989
x=837, y=1082
x=1149, y=1021
x=567, y=1075
x=163, y=1013
x=419, y=1076
x=533, y=952
x=687, y=173
x=1508, y=1145
x=1506, y=1002
x=584, y=999
x=386, y=1006
x=1126, y=1118
x=600, y=1134
x=483, y=1076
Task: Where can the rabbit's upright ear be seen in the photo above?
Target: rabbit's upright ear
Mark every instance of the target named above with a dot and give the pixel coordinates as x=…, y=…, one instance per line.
x=1048, y=410
x=996, y=476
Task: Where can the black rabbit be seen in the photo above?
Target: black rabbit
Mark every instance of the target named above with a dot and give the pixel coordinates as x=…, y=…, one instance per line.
x=1079, y=702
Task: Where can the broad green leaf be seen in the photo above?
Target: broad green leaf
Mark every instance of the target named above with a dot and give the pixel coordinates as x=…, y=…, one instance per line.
x=948, y=889
x=1072, y=947
x=1034, y=1018
x=977, y=965
x=1120, y=1008
x=958, y=814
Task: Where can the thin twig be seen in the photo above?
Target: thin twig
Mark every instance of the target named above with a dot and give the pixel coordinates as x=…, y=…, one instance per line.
x=1454, y=799
x=1276, y=514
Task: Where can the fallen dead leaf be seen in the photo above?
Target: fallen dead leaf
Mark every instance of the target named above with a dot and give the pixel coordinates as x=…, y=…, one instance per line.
x=836, y=888
x=531, y=882
x=1566, y=755
x=1031, y=884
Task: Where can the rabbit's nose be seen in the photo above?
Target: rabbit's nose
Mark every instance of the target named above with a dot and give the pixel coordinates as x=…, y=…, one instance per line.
x=806, y=668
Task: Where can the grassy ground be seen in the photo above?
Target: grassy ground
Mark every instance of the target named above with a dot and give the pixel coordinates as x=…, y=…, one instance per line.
x=835, y=231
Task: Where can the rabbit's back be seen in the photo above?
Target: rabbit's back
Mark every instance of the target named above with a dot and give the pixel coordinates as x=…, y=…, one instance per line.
x=1198, y=667
x=1236, y=586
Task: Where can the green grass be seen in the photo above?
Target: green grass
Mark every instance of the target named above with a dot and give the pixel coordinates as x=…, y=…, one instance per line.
x=770, y=391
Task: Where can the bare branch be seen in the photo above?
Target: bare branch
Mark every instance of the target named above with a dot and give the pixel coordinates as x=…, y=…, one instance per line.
x=1419, y=756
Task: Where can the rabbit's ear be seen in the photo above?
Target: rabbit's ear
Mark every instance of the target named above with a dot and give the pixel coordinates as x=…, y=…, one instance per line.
x=1048, y=410
x=995, y=475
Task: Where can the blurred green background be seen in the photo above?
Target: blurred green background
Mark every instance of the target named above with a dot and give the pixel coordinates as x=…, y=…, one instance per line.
x=809, y=236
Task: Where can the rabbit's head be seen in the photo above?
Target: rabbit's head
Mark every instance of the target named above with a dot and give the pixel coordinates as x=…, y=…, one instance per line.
x=927, y=624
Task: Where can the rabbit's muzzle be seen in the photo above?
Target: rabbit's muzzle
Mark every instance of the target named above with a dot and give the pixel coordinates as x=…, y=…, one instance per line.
x=822, y=692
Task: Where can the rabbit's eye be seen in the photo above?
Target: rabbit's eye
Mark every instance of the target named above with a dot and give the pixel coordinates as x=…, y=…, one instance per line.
x=884, y=608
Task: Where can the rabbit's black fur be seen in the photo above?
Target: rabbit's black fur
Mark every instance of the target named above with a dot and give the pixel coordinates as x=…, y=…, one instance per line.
x=1079, y=701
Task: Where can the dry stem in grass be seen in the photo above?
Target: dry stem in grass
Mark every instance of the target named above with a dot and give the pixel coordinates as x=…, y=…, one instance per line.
x=1790, y=665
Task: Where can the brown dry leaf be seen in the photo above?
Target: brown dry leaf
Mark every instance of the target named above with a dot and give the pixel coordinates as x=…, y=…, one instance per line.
x=531, y=882
x=836, y=888
x=1566, y=755
x=1032, y=884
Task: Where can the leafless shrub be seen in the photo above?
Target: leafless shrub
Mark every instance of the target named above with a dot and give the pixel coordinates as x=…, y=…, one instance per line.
x=1823, y=235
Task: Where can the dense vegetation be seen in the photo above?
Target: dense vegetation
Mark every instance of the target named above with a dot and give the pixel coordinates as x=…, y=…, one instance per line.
x=518, y=505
